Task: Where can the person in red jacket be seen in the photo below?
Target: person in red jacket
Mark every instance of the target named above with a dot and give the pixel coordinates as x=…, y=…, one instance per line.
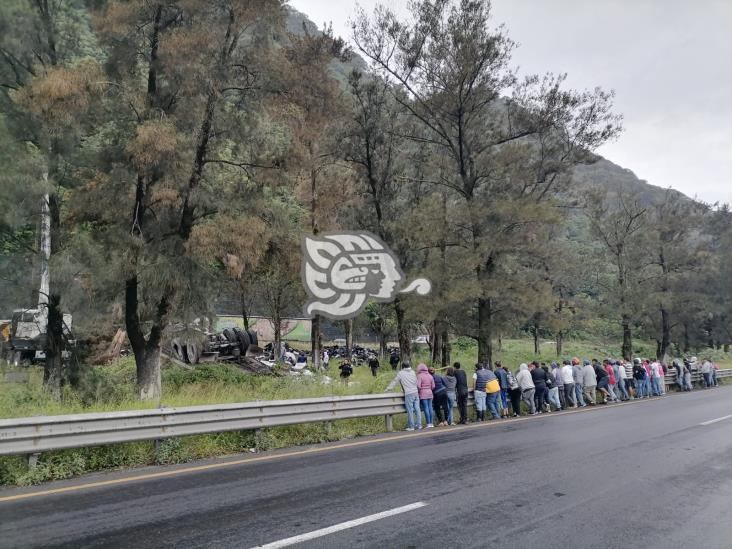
x=612, y=382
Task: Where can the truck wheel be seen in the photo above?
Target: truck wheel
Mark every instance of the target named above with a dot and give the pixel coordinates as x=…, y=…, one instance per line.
x=244, y=340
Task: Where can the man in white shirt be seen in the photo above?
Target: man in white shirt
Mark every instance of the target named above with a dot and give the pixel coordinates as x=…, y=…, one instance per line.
x=568, y=380
x=408, y=381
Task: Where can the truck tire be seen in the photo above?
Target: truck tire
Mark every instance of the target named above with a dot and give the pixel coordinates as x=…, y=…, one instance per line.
x=244, y=340
x=192, y=353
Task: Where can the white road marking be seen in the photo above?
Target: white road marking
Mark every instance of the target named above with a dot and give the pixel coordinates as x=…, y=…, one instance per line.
x=342, y=526
x=716, y=420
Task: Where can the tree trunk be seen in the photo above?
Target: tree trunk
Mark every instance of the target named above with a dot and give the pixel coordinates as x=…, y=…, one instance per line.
x=485, y=330
x=445, y=337
x=277, y=347
x=244, y=312
x=560, y=342
x=405, y=344
x=537, y=347
x=665, y=342
x=53, y=374
x=348, y=332
x=627, y=349
x=147, y=352
x=382, y=345
x=435, y=343
x=148, y=373
x=687, y=347
x=315, y=342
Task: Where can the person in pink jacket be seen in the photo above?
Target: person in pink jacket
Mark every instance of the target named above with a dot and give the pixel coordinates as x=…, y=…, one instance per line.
x=425, y=384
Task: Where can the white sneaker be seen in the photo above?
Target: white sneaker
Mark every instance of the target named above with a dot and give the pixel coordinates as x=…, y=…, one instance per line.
x=429, y=426
x=409, y=429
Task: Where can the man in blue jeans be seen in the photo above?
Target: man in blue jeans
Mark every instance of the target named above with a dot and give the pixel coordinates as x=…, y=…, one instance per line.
x=503, y=380
x=408, y=381
x=480, y=379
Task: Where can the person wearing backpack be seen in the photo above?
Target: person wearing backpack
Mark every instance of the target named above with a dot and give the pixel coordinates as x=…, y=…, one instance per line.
x=553, y=390
x=514, y=393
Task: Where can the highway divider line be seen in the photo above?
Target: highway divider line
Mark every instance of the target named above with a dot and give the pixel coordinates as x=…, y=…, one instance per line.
x=342, y=526
x=315, y=450
x=715, y=420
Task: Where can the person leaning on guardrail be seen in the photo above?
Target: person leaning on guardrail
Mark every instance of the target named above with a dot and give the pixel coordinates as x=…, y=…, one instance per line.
x=527, y=387
x=408, y=381
x=579, y=385
x=480, y=379
x=502, y=376
x=439, y=398
x=451, y=384
x=462, y=392
x=589, y=382
x=706, y=370
x=425, y=385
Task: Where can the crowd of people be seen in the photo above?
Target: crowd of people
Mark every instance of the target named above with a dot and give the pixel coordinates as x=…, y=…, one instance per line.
x=540, y=387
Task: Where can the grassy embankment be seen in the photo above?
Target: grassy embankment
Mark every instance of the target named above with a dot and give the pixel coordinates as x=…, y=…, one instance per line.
x=111, y=387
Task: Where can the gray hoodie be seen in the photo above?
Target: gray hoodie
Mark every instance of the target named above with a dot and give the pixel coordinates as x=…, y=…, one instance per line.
x=578, y=374
x=589, y=379
x=524, y=378
x=408, y=380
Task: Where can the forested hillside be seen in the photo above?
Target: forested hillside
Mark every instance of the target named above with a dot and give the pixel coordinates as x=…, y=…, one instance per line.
x=179, y=151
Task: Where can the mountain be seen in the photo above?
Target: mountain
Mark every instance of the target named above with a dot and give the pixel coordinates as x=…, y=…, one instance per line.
x=297, y=22
x=601, y=173
x=607, y=174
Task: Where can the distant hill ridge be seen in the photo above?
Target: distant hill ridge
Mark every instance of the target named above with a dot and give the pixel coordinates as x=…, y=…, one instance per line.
x=602, y=173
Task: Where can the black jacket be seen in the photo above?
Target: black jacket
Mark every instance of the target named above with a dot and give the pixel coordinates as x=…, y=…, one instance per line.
x=462, y=382
x=538, y=376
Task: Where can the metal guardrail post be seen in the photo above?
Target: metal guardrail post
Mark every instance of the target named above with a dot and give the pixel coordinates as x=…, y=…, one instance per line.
x=389, y=422
x=33, y=460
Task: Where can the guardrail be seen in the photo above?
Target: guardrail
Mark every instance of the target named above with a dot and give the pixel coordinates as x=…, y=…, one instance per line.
x=33, y=435
x=696, y=377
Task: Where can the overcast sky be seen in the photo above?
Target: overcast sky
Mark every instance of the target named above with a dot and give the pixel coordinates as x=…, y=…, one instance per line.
x=669, y=61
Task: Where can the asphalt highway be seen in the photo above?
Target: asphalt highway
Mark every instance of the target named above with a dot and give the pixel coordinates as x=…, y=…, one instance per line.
x=651, y=473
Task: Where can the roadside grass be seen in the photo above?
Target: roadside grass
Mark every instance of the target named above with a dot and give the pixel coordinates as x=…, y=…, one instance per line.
x=111, y=387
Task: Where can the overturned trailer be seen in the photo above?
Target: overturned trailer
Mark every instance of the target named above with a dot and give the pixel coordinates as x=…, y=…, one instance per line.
x=234, y=345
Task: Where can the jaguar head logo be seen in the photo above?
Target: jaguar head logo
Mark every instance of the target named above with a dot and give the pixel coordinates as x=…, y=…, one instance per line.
x=342, y=271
